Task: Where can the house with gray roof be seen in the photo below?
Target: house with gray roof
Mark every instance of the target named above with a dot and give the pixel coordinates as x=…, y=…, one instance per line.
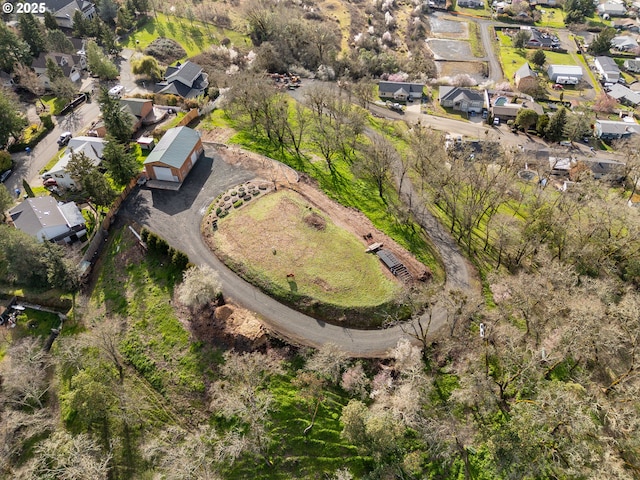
x=607, y=68
x=624, y=43
x=173, y=157
x=186, y=80
x=611, y=9
x=624, y=95
x=615, y=130
x=47, y=220
x=463, y=99
x=632, y=65
x=565, y=74
x=71, y=65
x=541, y=39
x=400, y=90
x=91, y=147
x=64, y=10
x=525, y=78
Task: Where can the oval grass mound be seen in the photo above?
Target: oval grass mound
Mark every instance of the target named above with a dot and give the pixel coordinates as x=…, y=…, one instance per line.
x=295, y=253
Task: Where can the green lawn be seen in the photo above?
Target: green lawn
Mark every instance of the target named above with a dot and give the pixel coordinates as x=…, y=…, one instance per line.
x=54, y=104
x=140, y=288
x=271, y=237
x=194, y=36
x=551, y=18
x=295, y=455
x=475, y=12
x=513, y=58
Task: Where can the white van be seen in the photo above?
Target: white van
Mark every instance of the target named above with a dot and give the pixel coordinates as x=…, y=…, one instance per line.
x=116, y=91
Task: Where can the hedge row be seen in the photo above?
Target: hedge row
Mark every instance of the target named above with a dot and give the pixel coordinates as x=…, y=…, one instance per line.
x=159, y=246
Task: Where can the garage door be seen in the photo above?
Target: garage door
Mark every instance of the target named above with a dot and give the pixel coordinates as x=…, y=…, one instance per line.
x=163, y=173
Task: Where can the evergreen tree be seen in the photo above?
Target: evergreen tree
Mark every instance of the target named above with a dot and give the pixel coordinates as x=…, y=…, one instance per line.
x=12, y=121
x=50, y=21
x=555, y=128
x=124, y=19
x=31, y=31
x=54, y=71
x=538, y=58
x=12, y=49
x=57, y=41
x=121, y=164
x=602, y=43
x=81, y=26
x=118, y=121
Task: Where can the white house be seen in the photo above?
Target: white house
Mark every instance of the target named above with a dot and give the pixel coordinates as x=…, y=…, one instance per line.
x=608, y=69
x=565, y=74
x=615, y=130
x=92, y=147
x=624, y=43
x=611, y=9
x=46, y=219
x=632, y=65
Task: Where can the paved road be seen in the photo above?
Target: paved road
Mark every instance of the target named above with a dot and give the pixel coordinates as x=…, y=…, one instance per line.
x=176, y=216
x=28, y=166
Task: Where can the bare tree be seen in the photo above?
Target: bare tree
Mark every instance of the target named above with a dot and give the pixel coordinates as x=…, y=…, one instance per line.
x=377, y=161
x=327, y=361
x=66, y=457
x=199, y=286
x=24, y=378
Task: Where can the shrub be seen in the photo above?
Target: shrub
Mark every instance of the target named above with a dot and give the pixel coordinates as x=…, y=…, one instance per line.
x=237, y=203
x=144, y=234
x=5, y=160
x=180, y=260
x=47, y=122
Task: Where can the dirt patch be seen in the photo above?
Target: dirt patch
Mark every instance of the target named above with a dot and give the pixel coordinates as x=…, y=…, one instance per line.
x=476, y=70
x=227, y=326
x=315, y=221
x=217, y=135
x=450, y=49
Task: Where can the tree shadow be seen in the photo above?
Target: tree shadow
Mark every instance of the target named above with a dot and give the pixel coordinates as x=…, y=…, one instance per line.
x=293, y=286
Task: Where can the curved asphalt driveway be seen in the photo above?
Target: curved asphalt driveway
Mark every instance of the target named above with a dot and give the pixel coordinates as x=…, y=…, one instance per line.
x=176, y=216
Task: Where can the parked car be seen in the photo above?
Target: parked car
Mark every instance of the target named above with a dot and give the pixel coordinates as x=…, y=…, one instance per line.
x=496, y=121
x=557, y=86
x=5, y=175
x=64, y=139
x=566, y=143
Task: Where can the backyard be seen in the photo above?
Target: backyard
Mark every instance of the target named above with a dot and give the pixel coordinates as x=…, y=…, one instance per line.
x=195, y=37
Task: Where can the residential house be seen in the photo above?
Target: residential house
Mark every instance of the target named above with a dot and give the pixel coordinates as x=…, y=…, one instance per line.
x=47, y=220
x=63, y=10
x=139, y=109
x=71, y=65
x=543, y=3
x=608, y=69
x=611, y=9
x=464, y=99
x=525, y=78
x=92, y=148
x=624, y=43
x=471, y=3
x=186, y=80
x=174, y=156
x=615, y=130
x=400, y=90
x=506, y=111
x=541, y=39
x=632, y=65
x=561, y=166
x=604, y=168
x=565, y=74
x=627, y=24
x=624, y=95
